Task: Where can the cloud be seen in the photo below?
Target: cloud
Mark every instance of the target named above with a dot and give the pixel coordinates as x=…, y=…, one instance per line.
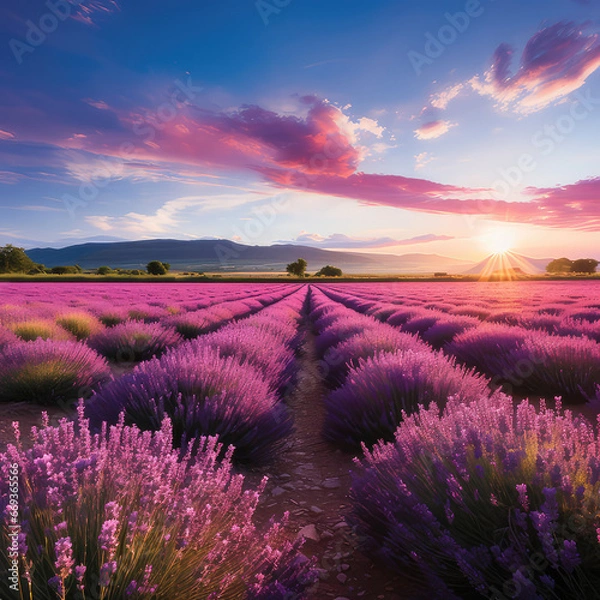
x=440, y=100
x=6, y=135
x=575, y=205
x=371, y=126
x=433, y=129
x=555, y=62
x=321, y=138
x=169, y=218
x=318, y=150
x=99, y=104
x=10, y=177
x=36, y=208
x=422, y=159
x=339, y=240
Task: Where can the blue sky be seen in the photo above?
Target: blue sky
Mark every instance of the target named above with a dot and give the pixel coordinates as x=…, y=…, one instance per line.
x=332, y=124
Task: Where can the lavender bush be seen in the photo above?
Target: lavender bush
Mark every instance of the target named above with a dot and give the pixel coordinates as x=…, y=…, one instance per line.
x=81, y=325
x=486, y=347
x=487, y=501
x=33, y=329
x=347, y=355
x=446, y=329
x=341, y=329
x=121, y=515
x=49, y=372
x=203, y=394
x=191, y=325
x=558, y=366
x=376, y=396
x=266, y=352
x=134, y=341
x=284, y=330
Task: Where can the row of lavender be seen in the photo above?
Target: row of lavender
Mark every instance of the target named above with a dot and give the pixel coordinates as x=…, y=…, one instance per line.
x=378, y=374
x=522, y=359
x=472, y=493
x=63, y=348
x=138, y=498
x=229, y=383
x=557, y=308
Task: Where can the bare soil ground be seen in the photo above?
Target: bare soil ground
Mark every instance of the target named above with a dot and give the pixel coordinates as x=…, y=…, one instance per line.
x=311, y=480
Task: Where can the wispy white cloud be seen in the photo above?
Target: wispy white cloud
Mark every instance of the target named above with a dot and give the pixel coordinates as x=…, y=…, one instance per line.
x=172, y=215
x=339, y=240
x=422, y=159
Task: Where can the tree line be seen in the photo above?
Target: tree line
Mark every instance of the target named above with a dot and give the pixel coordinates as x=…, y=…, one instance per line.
x=15, y=260
x=566, y=265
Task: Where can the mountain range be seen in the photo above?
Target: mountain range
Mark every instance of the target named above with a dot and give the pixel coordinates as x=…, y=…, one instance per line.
x=225, y=255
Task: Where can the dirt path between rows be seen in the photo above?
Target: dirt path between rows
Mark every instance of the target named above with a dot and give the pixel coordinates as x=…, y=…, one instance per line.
x=311, y=480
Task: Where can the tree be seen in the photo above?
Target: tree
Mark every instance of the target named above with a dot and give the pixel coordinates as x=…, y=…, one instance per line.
x=38, y=269
x=560, y=265
x=585, y=265
x=103, y=271
x=297, y=268
x=155, y=267
x=66, y=270
x=14, y=260
x=329, y=271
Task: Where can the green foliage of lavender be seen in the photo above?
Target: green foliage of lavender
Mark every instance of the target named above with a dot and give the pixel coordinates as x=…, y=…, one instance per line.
x=488, y=500
x=121, y=515
x=50, y=372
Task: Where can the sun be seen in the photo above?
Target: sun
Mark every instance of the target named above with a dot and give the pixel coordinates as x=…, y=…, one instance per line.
x=499, y=241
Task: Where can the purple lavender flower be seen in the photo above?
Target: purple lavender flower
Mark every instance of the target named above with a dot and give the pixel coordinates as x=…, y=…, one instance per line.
x=203, y=394
x=193, y=518
x=134, y=341
x=371, y=403
x=418, y=510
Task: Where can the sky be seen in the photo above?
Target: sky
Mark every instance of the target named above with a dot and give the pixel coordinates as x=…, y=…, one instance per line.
x=459, y=128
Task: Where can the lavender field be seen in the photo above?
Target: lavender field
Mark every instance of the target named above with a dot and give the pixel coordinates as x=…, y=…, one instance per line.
x=290, y=440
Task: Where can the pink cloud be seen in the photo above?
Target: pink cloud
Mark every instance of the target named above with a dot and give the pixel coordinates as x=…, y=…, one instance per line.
x=252, y=137
x=555, y=62
x=575, y=205
x=433, y=129
x=6, y=135
x=315, y=152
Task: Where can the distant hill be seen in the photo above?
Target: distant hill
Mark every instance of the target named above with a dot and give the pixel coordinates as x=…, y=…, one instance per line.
x=224, y=255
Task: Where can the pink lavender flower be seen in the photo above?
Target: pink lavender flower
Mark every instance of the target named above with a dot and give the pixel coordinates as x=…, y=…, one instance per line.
x=373, y=400
x=523, y=499
x=108, y=538
x=63, y=548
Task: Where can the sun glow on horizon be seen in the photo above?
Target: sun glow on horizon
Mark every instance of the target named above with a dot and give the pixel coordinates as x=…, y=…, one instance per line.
x=499, y=241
